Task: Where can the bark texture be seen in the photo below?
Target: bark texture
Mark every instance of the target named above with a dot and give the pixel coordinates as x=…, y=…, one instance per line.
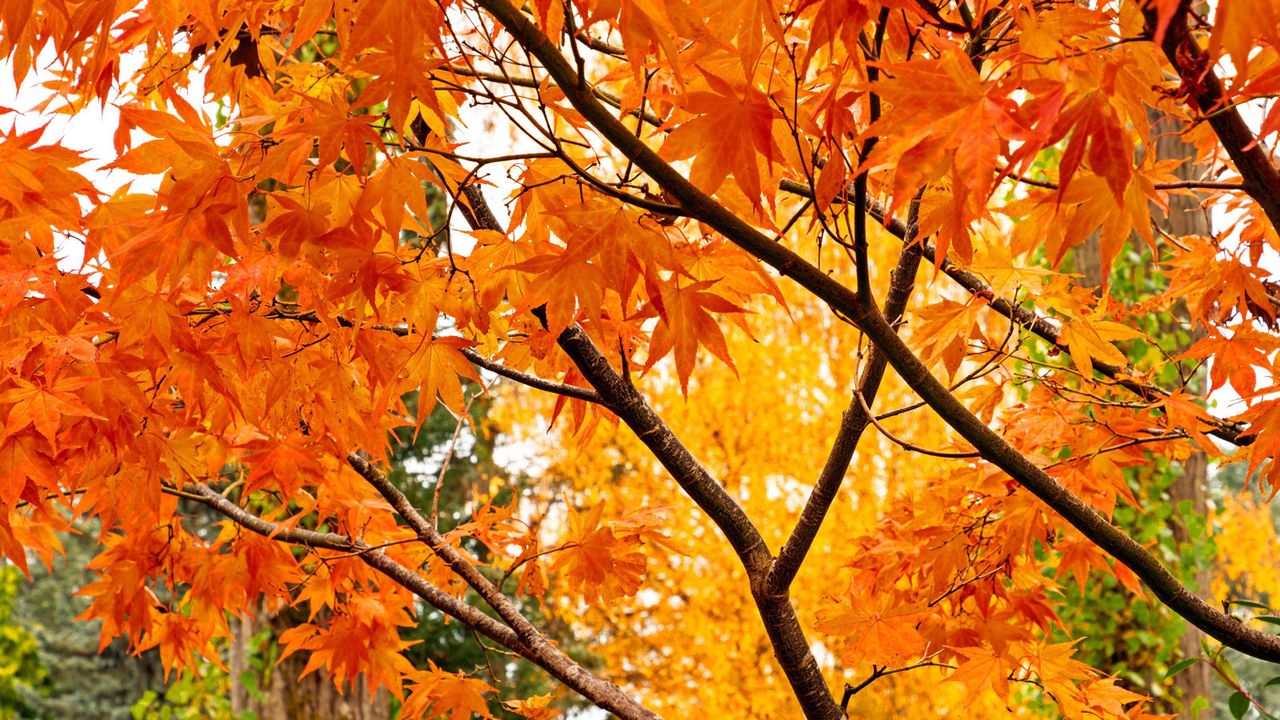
x=1186, y=217
x=276, y=692
x=868, y=318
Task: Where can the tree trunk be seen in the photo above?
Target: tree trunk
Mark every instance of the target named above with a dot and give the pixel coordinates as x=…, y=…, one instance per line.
x=1086, y=260
x=275, y=692
x=1186, y=217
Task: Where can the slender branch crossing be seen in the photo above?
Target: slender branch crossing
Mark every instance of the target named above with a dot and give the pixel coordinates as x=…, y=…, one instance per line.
x=993, y=448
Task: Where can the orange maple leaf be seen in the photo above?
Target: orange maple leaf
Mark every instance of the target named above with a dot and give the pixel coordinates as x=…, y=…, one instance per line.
x=44, y=405
x=605, y=561
x=441, y=366
x=876, y=630
x=981, y=669
x=685, y=322
x=446, y=695
x=732, y=132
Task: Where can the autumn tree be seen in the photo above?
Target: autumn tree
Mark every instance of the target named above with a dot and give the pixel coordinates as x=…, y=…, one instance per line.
x=67, y=674
x=787, y=281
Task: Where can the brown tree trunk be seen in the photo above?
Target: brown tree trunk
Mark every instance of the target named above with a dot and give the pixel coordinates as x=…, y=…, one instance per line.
x=1086, y=260
x=1186, y=217
x=275, y=692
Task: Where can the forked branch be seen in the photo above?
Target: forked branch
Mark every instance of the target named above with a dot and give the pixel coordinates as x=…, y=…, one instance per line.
x=604, y=694
x=620, y=396
x=853, y=423
x=843, y=301
x=1027, y=317
x=785, y=633
x=537, y=647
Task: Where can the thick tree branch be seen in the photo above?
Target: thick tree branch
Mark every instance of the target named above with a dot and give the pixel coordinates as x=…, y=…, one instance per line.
x=539, y=649
x=374, y=558
x=1040, y=326
x=627, y=403
x=845, y=302
x=779, y=617
x=854, y=420
x=1226, y=629
x=558, y=665
x=708, y=493
x=1204, y=92
x=619, y=395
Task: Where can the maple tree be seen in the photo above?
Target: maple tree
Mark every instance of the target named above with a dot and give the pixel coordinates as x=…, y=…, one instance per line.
x=806, y=259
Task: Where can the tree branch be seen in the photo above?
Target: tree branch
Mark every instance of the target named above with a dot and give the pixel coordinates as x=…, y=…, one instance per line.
x=475, y=358
x=789, y=642
x=853, y=423
x=1093, y=526
x=1028, y=318
x=629, y=405
x=843, y=301
x=722, y=508
x=603, y=693
x=1204, y=92
x=560, y=666
x=619, y=395
x=374, y=558
x=533, y=381
x=1179, y=185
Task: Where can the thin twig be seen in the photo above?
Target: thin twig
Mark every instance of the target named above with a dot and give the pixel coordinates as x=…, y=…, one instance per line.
x=444, y=464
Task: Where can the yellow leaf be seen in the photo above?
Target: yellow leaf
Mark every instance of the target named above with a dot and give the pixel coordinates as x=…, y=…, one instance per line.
x=981, y=670
x=1090, y=340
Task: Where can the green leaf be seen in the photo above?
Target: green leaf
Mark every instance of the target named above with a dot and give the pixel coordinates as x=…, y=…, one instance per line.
x=1249, y=603
x=1273, y=681
x=1238, y=705
x=1182, y=665
x=1223, y=667
x=1268, y=619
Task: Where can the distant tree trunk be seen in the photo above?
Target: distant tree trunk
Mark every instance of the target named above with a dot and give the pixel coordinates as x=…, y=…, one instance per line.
x=275, y=692
x=1186, y=217
x=1086, y=260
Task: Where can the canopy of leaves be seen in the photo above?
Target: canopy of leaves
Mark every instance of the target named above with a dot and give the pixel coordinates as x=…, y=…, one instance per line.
x=770, y=300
